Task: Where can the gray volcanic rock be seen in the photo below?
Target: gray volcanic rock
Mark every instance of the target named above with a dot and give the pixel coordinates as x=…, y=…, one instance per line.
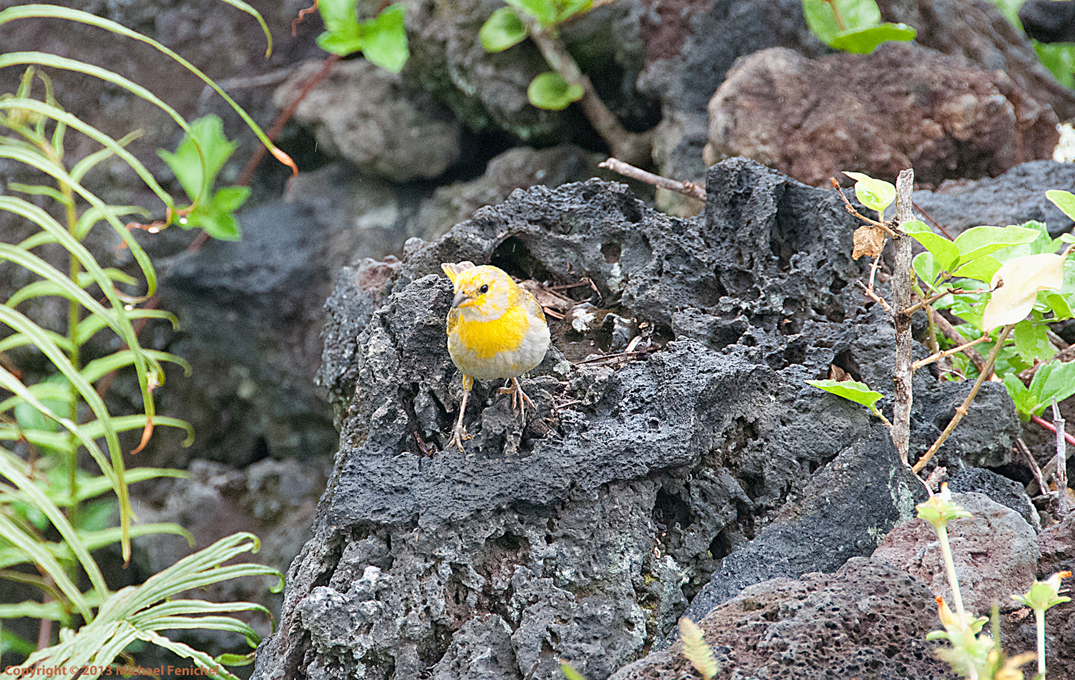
x=365, y=114
x=1016, y=197
x=583, y=534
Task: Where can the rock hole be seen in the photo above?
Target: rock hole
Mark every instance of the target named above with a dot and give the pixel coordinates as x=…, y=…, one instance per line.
x=513, y=256
x=669, y=509
x=846, y=361
x=611, y=252
x=721, y=546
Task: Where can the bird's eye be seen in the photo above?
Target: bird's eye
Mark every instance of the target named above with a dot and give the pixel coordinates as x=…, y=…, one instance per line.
x=484, y=289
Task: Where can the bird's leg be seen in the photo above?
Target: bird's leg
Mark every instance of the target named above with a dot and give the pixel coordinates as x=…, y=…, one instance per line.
x=518, y=397
x=460, y=432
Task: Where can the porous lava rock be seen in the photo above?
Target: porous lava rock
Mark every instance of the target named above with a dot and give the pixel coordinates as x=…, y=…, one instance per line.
x=585, y=533
x=995, y=553
x=866, y=621
x=939, y=114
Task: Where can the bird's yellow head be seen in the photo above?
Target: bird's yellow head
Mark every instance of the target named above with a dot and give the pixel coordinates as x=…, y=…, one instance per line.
x=481, y=293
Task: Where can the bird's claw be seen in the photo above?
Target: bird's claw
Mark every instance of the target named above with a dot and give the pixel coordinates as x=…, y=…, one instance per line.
x=458, y=437
x=519, y=400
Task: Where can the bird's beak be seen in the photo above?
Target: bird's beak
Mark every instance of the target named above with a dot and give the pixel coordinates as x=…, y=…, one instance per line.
x=460, y=299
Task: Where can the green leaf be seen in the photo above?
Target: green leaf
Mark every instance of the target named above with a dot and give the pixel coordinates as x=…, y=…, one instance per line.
x=544, y=11
x=1024, y=400
x=1032, y=341
x=550, y=91
x=502, y=30
x=384, y=39
x=866, y=40
x=853, y=390
x=979, y=269
x=856, y=14
x=341, y=27
x=875, y=194
x=186, y=162
x=981, y=241
x=925, y=266
x=1058, y=382
x=1059, y=58
x=1064, y=200
x=569, y=672
x=340, y=43
x=570, y=8
x=945, y=252
x=1059, y=306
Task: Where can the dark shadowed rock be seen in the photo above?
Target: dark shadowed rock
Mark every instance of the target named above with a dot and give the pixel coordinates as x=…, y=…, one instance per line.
x=514, y=169
x=866, y=621
x=587, y=531
x=995, y=553
x=844, y=511
x=938, y=114
x=1007, y=492
x=1016, y=197
x=1049, y=21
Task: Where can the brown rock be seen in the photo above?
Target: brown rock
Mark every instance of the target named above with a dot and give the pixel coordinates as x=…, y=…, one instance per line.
x=995, y=553
x=902, y=106
x=866, y=621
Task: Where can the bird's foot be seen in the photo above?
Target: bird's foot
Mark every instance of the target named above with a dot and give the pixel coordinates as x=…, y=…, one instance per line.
x=458, y=437
x=518, y=398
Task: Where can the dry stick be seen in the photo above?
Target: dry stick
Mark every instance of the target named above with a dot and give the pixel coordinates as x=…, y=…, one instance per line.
x=940, y=355
x=962, y=410
x=1021, y=445
x=633, y=148
x=903, y=296
x=627, y=170
x=953, y=335
x=1063, y=501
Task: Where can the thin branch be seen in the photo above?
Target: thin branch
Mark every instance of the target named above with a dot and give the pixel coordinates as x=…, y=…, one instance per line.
x=948, y=352
x=633, y=147
x=902, y=294
x=955, y=338
x=925, y=302
x=851, y=209
x=1021, y=445
x=1038, y=420
x=627, y=170
x=874, y=296
x=963, y=408
x=934, y=222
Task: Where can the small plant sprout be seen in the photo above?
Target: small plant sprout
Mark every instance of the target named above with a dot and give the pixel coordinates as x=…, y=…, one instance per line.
x=696, y=650
x=968, y=652
x=1042, y=596
x=939, y=510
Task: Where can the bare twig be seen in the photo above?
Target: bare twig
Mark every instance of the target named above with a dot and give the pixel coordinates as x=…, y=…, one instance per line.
x=1056, y=339
x=627, y=170
x=934, y=222
x=962, y=410
x=1063, y=501
x=634, y=148
x=1021, y=445
x=902, y=294
x=954, y=337
x=925, y=302
x=948, y=352
x=874, y=296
